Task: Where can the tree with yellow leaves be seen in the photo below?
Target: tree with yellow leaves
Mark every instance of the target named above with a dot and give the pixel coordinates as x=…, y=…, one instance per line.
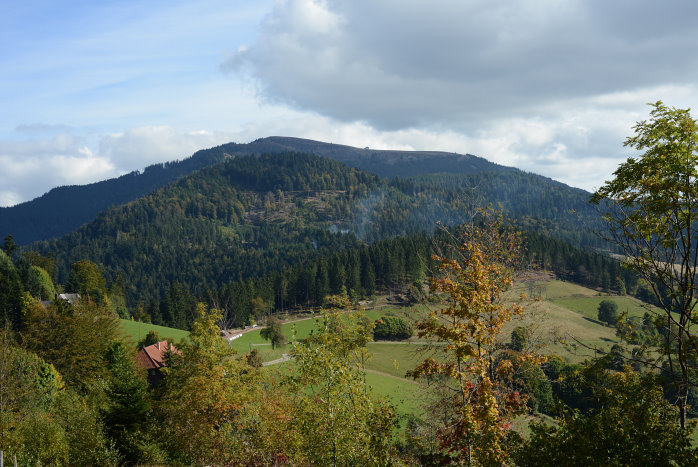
x=469, y=362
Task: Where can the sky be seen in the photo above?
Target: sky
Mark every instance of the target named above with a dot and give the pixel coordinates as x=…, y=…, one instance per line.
x=92, y=90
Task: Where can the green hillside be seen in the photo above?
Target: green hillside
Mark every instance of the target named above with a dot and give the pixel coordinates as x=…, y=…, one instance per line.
x=135, y=331
x=562, y=324
x=65, y=209
x=241, y=218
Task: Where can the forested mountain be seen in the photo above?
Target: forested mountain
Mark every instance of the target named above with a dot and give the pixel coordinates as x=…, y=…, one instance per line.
x=537, y=203
x=249, y=216
x=240, y=218
x=64, y=209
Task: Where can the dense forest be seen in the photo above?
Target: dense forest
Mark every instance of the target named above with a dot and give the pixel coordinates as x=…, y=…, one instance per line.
x=64, y=209
x=251, y=215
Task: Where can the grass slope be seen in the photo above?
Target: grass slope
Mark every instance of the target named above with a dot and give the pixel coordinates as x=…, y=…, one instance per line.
x=134, y=331
x=564, y=320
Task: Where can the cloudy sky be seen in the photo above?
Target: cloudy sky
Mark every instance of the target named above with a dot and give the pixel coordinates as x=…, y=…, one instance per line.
x=91, y=90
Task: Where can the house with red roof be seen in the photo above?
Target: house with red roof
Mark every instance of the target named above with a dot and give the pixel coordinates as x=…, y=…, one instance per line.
x=153, y=359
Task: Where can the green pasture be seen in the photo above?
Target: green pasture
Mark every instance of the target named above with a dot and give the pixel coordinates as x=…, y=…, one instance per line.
x=588, y=306
x=563, y=321
x=407, y=396
x=136, y=331
x=556, y=289
x=566, y=322
x=252, y=339
x=570, y=334
x=385, y=368
x=394, y=358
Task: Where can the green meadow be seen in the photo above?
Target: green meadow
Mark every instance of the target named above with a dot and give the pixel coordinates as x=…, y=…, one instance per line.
x=135, y=331
x=563, y=322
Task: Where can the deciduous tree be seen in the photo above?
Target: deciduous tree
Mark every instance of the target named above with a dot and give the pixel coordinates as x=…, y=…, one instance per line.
x=473, y=279
x=634, y=425
x=339, y=420
x=651, y=208
x=73, y=338
x=273, y=332
x=608, y=312
x=86, y=278
x=203, y=395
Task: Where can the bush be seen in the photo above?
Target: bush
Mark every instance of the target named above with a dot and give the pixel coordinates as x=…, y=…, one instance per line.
x=392, y=328
x=608, y=312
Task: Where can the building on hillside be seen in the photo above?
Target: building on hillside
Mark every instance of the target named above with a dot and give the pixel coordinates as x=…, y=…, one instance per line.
x=71, y=298
x=68, y=297
x=152, y=358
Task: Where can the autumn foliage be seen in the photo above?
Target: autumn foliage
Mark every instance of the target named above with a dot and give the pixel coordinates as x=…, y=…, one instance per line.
x=469, y=360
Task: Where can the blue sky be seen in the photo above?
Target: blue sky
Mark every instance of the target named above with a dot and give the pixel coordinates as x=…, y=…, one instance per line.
x=91, y=90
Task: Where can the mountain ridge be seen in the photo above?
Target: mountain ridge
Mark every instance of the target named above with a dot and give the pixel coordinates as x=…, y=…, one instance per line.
x=63, y=209
x=251, y=214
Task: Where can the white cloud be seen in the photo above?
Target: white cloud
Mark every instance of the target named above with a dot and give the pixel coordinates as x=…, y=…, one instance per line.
x=9, y=198
x=146, y=145
x=32, y=166
x=398, y=64
x=550, y=87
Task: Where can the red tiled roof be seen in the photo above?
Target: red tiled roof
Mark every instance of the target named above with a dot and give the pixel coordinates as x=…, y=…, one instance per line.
x=153, y=356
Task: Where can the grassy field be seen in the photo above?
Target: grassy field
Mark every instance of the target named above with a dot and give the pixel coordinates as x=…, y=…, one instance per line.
x=588, y=306
x=392, y=358
x=566, y=318
x=565, y=324
x=563, y=321
x=134, y=331
x=556, y=289
x=405, y=395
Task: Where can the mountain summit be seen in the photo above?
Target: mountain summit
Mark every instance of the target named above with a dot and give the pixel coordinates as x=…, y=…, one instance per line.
x=62, y=210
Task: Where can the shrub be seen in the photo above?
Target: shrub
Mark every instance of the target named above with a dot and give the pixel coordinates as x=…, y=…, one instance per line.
x=608, y=312
x=392, y=328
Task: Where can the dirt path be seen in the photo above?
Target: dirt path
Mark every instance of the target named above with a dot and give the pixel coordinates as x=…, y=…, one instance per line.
x=284, y=358
x=234, y=332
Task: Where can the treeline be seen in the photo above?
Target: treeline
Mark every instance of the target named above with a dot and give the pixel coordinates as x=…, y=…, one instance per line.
x=581, y=266
x=397, y=265
x=389, y=265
